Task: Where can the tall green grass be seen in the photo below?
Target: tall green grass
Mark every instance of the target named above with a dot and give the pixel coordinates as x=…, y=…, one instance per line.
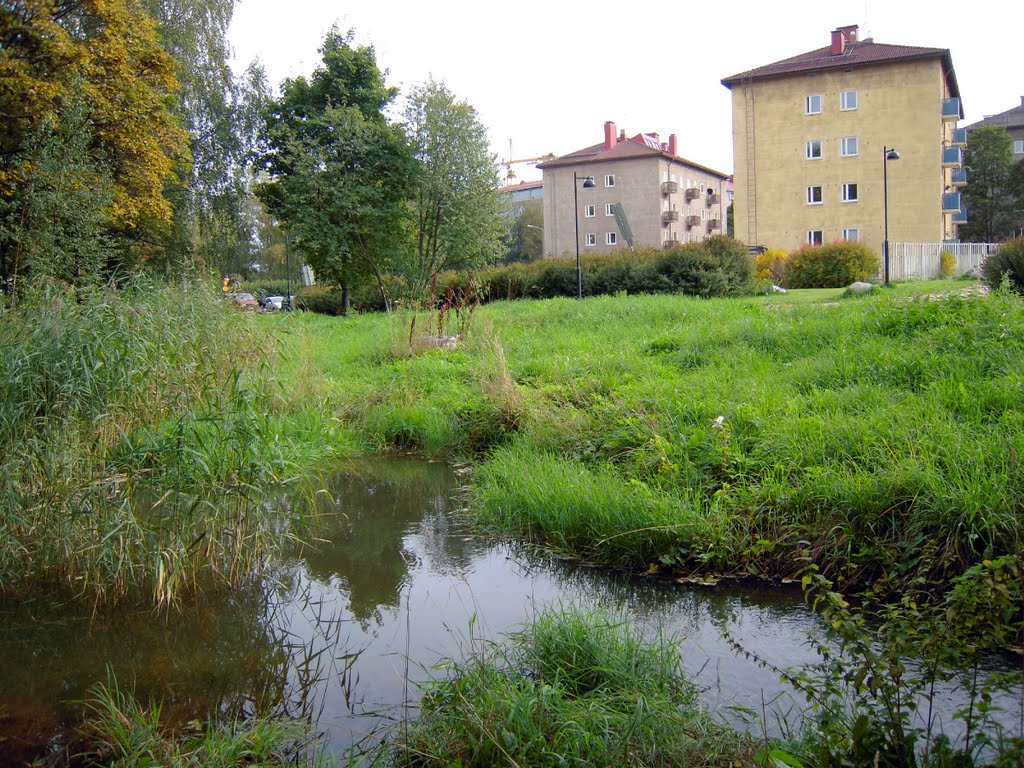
x=134, y=444
x=123, y=732
x=877, y=436
x=570, y=688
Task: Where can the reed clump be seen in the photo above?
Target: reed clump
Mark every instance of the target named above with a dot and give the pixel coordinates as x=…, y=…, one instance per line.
x=133, y=444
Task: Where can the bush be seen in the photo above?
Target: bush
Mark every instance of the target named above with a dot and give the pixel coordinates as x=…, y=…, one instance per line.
x=771, y=266
x=1007, y=260
x=718, y=266
x=831, y=266
x=948, y=264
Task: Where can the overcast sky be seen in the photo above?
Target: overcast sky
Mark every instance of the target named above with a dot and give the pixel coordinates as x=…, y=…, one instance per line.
x=547, y=75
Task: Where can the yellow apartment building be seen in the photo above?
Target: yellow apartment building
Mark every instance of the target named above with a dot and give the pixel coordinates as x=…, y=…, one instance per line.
x=810, y=135
x=664, y=199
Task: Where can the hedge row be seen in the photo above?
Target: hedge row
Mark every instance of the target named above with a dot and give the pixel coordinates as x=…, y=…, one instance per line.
x=718, y=266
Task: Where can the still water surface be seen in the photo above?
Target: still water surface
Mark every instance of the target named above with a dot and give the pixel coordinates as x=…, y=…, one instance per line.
x=390, y=585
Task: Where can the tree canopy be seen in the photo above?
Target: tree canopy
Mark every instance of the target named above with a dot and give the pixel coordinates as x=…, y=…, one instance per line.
x=88, y=74
x=990, y=195
x=336, y=169
x=455, y=206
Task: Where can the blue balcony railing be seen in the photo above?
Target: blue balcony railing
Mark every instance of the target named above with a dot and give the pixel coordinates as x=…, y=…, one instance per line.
x=959, y=177
x=959, y=136
x=952, y=202
x=951, y=109
x=952, y=157
x=960, y=217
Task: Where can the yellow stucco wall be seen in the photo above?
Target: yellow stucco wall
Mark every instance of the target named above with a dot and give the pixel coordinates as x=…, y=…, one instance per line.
x=899, y=105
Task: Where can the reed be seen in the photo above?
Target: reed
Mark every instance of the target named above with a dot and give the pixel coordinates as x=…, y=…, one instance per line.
x=134, y=445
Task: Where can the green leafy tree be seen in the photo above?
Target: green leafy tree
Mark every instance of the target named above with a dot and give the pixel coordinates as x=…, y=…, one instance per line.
x=220, y=112
x=988, y=195
x=524, y=239
x=457, y=223
x=337, y=171
x=55, y=224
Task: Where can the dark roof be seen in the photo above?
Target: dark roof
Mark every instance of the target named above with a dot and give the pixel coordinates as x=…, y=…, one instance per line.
x=1011, y=118
x=621, y=150
x=860, y=53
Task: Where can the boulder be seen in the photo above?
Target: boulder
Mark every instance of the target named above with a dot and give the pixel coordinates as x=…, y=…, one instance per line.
x=859, y=288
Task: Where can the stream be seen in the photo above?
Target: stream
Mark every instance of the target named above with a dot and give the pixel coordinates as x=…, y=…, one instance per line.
x=389, y=584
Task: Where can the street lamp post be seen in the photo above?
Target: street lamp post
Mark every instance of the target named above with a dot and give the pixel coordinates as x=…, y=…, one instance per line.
x=288, y=271
x=888, y=153
x=588, y=183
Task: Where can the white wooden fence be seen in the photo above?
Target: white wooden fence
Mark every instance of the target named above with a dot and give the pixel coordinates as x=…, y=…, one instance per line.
x=922, y=261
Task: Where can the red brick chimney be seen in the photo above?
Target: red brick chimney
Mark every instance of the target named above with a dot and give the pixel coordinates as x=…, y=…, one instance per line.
x=622, y=133
x=609, y=135
x=841, y=37
x=838, y=46
x=672, y=145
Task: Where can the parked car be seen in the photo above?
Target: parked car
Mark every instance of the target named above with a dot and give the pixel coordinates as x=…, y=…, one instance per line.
x=271, y=303
x=245, y=301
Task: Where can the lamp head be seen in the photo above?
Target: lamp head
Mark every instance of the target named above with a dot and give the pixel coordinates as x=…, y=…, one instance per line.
x=892, y=154
x=588, y=182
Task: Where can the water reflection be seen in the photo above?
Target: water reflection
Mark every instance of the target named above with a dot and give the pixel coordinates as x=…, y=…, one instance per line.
x=340, y=635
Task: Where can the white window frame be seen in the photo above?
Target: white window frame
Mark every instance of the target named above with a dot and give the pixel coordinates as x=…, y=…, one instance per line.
x=811, y=194
x=845, y=97
x=609, y=180
x=812, y=240
x=851, y=234
x=815, y=99
x=810, y=145
x=610, y=238
x=608, y=209
x=847, y=188
x=843, y=146
x=590, y=239
x=1018, y=147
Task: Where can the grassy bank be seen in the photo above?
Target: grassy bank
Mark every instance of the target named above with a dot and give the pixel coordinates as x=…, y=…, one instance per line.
x=878, y=436
x=137, y=433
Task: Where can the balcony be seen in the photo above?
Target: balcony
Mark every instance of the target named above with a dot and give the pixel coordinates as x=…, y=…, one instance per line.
x=959, y=137
x=669, y=216
x=714, y=224
x=714, y=199
x=693, y=221
x=952, y=157
x=673, y=243
x=960, y=217
x=952, y=202
x=669, y=187
x=959, y=177
x=692, y=193
x=950, y=110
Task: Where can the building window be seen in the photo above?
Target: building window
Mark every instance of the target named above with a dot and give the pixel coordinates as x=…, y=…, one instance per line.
x=814, y=237
x=850, y=193
x=608, y=210
x=589, y=211
x=609, y=180
x=848, y=146
x=1018, y=147
x=703, y=188
x=852, y=234
x=591, y=239
x=812, y=105
x=814, y=149
x=847, y=100
x=610, y=238
x=814, y=196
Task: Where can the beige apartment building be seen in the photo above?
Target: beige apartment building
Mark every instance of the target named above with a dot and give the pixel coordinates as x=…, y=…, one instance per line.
x=665, y=198
x=809, y=140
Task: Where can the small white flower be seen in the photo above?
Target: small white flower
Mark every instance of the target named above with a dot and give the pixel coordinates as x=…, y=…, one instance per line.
x=719, y=423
